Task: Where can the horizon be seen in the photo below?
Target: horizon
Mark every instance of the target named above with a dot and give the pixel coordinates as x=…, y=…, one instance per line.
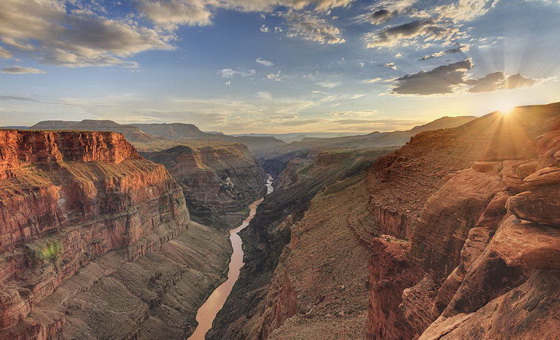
x=504, y=109
x=276, y=67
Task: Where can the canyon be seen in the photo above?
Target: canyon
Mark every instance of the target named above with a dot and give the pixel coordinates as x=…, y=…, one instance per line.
x=446, y=231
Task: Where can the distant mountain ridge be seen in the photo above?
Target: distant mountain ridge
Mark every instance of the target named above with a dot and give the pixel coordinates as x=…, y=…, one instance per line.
x=175, y=131
x=264, y=146
x=377, y=139
x=132, y=133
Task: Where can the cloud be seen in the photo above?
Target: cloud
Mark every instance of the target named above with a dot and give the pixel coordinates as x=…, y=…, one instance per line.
x=329, y=84
x=17, y=98
x=460, y=48
x=435, y=21
x=300, y=122
x=488, y=83
x=264, y=95
x=171, y=14
x=274, y=76
x=390, y=66
x=308, y=26
x=383, y=11
x=406, y=34
x=264, y=29
x=465, y=10
x=498, y=81
x=264, y=62
x=21, y=70
x=231, y=73
x=381, y=16
x=4, y=53
x=517, y=80
x=440, y=80
x=453, y=78
x=74, y=38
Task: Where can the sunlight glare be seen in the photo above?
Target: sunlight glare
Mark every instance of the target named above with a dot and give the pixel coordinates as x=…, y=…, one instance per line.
x=506, y=108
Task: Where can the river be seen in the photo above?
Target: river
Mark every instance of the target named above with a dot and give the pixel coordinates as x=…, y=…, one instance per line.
x=208, y=311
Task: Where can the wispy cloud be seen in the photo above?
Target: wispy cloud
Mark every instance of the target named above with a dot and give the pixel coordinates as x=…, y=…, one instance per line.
x=264, y=62
x=458, y=49
x=21, y=70
x=329, y=84
x=4, y=53
x=308, y=26
x=231, y=73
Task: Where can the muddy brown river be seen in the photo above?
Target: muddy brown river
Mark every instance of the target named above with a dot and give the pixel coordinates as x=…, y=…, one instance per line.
x=208, y=311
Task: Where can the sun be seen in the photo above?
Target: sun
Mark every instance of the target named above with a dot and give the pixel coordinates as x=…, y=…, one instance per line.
x=506, y=108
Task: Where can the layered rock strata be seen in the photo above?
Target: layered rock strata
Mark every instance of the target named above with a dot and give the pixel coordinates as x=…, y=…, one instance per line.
x=219, y=181
x=477, y=205
x=66, y=199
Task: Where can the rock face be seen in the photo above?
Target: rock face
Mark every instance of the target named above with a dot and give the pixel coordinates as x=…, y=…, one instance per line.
x=85, y=201
x=219, y=181
x=479, y=206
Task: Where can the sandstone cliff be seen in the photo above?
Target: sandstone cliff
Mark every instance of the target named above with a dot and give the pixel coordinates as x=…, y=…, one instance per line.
x=87, y=203
x=219, y=181
x=475, y=207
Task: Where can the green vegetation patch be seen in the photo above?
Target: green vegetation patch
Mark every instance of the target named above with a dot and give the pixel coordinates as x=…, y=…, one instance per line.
x=45, y=251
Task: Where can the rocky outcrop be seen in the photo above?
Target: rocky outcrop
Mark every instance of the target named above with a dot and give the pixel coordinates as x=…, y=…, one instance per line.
x=478, y=205
x=219, y=181
x=68, y=199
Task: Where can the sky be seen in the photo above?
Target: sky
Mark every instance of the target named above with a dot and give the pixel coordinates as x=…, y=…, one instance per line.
x=275, y=66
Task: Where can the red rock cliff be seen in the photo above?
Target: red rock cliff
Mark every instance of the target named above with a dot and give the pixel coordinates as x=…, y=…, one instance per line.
x=478, y=208
x=66, y=198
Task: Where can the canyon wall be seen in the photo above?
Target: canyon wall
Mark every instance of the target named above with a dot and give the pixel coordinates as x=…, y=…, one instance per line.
x=82, y=217
x=475, y=209
x=219, y=181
